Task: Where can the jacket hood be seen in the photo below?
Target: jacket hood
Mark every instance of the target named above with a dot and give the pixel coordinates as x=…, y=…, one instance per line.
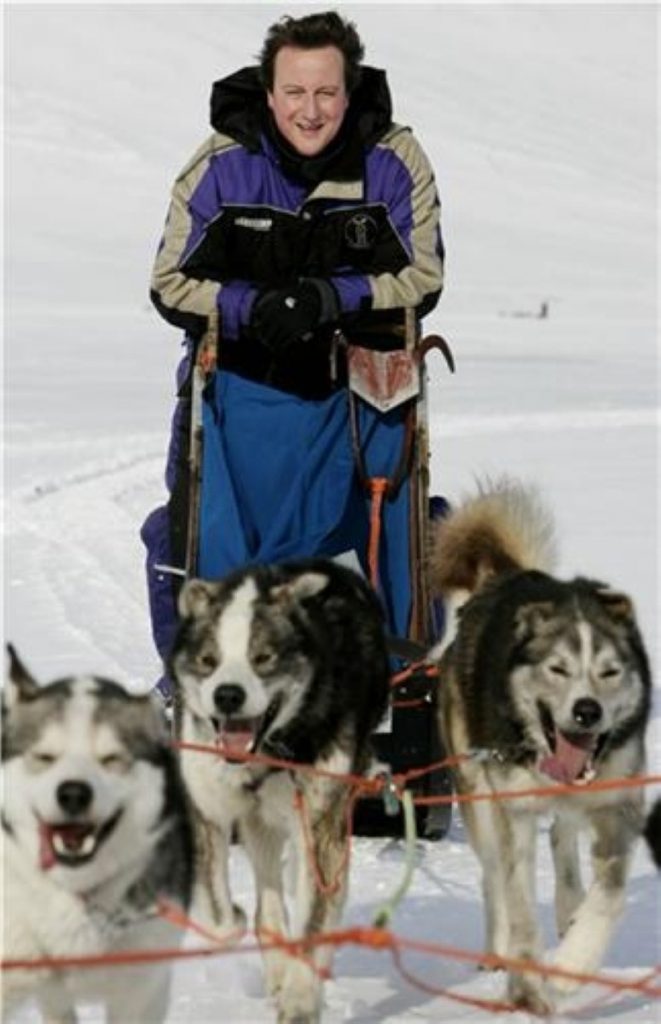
x=239, y=108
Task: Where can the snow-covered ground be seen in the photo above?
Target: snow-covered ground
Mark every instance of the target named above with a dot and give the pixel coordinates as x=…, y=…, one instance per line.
x=540, y=121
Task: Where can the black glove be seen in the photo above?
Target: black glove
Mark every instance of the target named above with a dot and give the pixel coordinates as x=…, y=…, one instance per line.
x=281, y=315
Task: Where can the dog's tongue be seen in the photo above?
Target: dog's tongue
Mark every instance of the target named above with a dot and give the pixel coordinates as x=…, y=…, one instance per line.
x=71, y=836
x=237, y=735
x=47, y=857
x=570, y=758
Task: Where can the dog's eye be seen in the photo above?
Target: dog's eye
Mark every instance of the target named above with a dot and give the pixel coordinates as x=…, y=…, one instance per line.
x=114, y=762
x=559, y=670
x=42, y=759
x=610, y=672
x=207, y=661
x=264, y=660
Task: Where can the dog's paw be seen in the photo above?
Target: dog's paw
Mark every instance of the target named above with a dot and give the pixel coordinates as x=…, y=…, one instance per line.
x=298, y=1018
x=530, y=994
x=564, y=986
x=577, y=954
x=275, y=966
x=299, y=1000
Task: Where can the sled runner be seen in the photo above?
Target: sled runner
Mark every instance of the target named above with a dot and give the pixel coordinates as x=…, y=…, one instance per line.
x=387, y=452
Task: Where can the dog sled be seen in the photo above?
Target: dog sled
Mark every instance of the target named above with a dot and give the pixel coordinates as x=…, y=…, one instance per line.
x=394, y=384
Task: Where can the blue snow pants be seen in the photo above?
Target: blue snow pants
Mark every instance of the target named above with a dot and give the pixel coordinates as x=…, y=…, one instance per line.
x=279, y=481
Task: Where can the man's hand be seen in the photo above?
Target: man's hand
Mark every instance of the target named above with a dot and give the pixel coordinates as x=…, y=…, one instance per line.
x=282, y=315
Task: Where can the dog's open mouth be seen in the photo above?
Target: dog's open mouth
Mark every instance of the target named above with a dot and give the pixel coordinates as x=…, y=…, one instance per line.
x=240, y=736
x=71, y=844
x=237, y=736
x=572, y=756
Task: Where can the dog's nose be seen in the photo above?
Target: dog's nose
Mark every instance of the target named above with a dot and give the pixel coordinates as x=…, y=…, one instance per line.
x=587, y=712
x=228, y=698
x=74, y=796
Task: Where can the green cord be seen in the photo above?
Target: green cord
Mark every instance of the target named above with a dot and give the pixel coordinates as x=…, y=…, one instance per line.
x=385, y=913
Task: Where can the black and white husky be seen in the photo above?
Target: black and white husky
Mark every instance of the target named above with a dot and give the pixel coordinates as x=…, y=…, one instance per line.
x=549, y=680
x=288, y=661
x=95, y=832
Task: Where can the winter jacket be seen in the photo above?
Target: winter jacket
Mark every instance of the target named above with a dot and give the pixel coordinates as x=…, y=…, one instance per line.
x=248, y=212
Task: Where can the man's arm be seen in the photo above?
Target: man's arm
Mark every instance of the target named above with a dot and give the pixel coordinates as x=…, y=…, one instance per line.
x=183, y=298
x=400, y=176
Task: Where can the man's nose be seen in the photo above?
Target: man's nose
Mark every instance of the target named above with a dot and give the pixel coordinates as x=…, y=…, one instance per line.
x=311, y=107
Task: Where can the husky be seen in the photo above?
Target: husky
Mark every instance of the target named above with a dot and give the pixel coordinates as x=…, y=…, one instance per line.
x=545, y=682
x=95, y=833
x=288, y=661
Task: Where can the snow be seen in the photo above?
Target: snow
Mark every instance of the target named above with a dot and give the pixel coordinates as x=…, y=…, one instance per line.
x=540, y=122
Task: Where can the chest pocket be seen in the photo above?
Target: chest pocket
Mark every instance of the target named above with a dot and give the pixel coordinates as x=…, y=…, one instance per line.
x=251, y=243
x=360, y=239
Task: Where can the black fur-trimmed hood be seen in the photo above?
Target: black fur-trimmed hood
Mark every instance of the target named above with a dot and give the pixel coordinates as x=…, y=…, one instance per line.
x=239, y=109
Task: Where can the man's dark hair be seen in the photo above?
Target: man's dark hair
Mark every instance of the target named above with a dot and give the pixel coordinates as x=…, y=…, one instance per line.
x=313, y=32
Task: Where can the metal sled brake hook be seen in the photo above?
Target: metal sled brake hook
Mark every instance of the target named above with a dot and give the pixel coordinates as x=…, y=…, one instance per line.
x=439, y=342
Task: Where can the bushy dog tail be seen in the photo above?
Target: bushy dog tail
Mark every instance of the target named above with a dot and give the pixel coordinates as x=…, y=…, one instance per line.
x=504, y=527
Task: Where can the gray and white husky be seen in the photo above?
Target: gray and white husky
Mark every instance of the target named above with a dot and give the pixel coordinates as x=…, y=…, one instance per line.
x=288, y=661
x=95, y=832
x=550, y=681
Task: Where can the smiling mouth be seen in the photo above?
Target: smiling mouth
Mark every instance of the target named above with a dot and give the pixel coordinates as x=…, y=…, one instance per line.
x=237, y=736
x=572, y=754
x=241, y=736
x=72, y=844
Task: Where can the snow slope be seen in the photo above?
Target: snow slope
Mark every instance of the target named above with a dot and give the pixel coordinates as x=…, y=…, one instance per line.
x=540, y=122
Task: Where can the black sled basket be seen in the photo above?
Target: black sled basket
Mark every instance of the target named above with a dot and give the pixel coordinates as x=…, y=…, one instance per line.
x=411, y=741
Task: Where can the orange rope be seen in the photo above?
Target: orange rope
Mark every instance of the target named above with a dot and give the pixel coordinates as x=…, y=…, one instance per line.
x=378, y=488
x=490, y=1005
x=606, y=999
x=371, y=938
x=180, y=919
x=421, y=666
x=569, y=789
x=374, y=786
x=295, y=948
x=326, y=887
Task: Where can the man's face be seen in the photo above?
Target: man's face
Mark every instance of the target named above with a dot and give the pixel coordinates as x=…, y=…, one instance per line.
x=309, y=98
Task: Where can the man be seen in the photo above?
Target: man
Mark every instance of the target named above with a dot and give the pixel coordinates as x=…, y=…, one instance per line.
x=308, y=209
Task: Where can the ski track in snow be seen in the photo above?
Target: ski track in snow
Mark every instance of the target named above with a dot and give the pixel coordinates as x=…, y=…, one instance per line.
x=76, y=538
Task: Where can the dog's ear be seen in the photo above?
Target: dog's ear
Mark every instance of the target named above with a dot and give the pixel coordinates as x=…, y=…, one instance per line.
x=20, y=684
x=617, y=605
x=196, y=597
x=532, y=617
x=308, y=584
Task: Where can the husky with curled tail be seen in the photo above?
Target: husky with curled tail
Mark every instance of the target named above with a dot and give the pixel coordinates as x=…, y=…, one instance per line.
x=550, y=682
